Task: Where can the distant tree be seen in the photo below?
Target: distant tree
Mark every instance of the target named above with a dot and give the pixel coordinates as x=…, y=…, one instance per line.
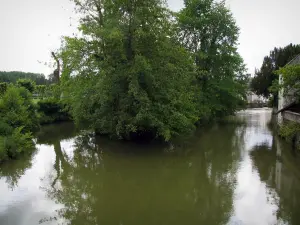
x=12, y=77
x=27, y=83
x=265, y=76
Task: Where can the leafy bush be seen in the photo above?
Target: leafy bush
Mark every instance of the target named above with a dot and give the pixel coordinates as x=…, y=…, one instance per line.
x=290, y=81
x=3, y=87
x=289, y=130
x=40, y=91
x=18, y=119
x=18, y=143
x=26, y=83
x=17, y=109
x=5, y=129
x=52, y=110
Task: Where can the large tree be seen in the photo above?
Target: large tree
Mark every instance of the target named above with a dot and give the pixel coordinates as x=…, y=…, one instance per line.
x=265, y=76
x=209, y=31
x=127, y=75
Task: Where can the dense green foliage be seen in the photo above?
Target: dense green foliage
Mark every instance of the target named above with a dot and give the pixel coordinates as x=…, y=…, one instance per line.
x=3, y=88
x=136, y=70
x=290, y=83
x=209, y=32
x=52, y=110
x=12, y=77
x=41, y=91
x=266, y=76
x=27, y=84
x=18, y=119
x=289, y=130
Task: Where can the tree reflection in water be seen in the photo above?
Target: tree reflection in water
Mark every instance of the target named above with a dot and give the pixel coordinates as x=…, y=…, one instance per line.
x=12, y=171
x=113, y=182
x=276, y=167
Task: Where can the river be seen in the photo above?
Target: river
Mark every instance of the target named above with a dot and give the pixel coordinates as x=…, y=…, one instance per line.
x=227, y=174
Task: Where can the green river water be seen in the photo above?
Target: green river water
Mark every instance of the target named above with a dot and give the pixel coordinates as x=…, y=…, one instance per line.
x=227, y=174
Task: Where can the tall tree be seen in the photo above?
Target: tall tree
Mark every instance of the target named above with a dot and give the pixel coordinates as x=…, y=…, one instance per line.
x=128, y=64
x=208, y=30
x=265, y=77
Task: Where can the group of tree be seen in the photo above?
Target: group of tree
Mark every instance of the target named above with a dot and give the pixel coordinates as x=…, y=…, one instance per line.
x=139, y=69
x=14, y=76
x=266, y=78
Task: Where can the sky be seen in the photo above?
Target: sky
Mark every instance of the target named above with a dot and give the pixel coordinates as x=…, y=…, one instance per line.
x=31, y=29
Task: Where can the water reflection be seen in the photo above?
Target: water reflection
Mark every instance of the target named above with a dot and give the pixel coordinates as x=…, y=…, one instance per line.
x=281, y=177
x=12, y=172
x=106, y=182
x=227, y=174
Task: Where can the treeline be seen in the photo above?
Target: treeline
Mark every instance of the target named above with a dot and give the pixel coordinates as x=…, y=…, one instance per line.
x=265, y=80
x=14, y=76
x=139, y=69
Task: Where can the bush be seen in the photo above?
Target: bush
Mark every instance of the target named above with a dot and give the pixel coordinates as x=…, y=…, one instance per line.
x=17, y=109
x=3, y=88
x=52, y=110
x=27, y=84
x=5, y=129
x=12, y=146
x=18, y=143
x=18, y=119
x=289, y=130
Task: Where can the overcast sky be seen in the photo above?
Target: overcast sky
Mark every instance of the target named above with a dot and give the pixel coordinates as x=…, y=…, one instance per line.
x=31, y=29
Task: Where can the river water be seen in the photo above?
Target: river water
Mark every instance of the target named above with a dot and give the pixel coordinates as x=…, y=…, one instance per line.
x=229, y=174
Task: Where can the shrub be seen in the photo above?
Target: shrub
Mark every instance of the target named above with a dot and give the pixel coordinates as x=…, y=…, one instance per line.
x=18, y=119
x=12, y=146
x=3, y=87
x=27, y=83
x=5, y=129
x=18, y=143
x=52, y=110
x=17, y=109
x=289, y=130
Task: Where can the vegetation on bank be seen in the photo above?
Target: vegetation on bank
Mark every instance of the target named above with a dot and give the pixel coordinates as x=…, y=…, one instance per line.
x=139, y=69
x=290, y=81
x=265, y=80
x=289, y=130
x=20, y=116
x=18, y=120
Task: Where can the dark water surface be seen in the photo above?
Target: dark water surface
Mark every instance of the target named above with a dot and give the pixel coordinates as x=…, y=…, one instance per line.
x=229, y=174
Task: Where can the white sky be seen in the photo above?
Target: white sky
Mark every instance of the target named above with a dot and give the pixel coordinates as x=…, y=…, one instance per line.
x=31, y=29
